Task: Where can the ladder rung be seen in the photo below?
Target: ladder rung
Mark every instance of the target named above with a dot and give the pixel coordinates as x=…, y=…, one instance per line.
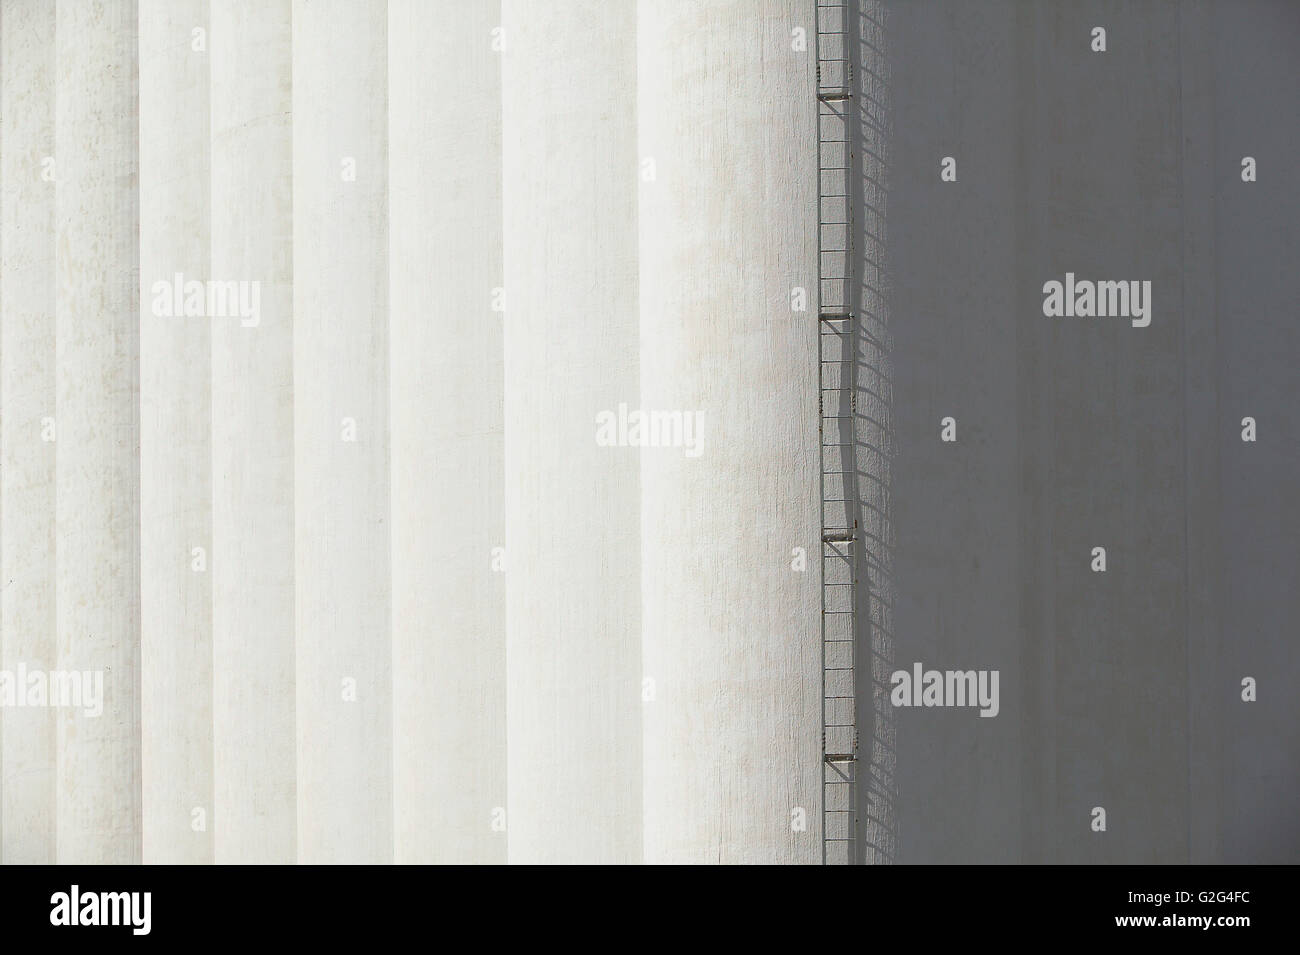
x=841, y=758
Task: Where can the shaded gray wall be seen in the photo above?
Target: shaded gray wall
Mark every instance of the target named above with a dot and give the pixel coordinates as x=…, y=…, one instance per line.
x=1121, y=689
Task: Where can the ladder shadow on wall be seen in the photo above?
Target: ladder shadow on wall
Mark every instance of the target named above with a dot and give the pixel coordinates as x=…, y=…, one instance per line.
x=873, y=436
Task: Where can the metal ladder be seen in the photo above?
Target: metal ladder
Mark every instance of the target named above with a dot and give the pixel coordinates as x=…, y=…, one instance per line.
x=836, y=409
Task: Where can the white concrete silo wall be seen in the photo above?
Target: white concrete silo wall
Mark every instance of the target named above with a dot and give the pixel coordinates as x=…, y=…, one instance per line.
x=573, y=655
x=252, y=566
x=175, y=436
x=731, y=632
x=97, y=329
x=449, y=686
x=27, y=397
x=340, y=249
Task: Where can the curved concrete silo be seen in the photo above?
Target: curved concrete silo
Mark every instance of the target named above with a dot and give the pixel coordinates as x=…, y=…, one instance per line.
x=97, y=508
x=175, y=437
x=27, y=397
x=572, y=620
x=253, y=734
x=340, y=375
x=726, y=109
x=449, y=687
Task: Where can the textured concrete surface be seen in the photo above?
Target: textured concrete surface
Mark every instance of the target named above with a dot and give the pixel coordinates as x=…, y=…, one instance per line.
x=340, y=381
x=27, y=402
x=571, y=506
x=731, y=632
x=447, y=388
x=252, y=566
x=97, y=464
x=175, y=441
x=466, y=253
